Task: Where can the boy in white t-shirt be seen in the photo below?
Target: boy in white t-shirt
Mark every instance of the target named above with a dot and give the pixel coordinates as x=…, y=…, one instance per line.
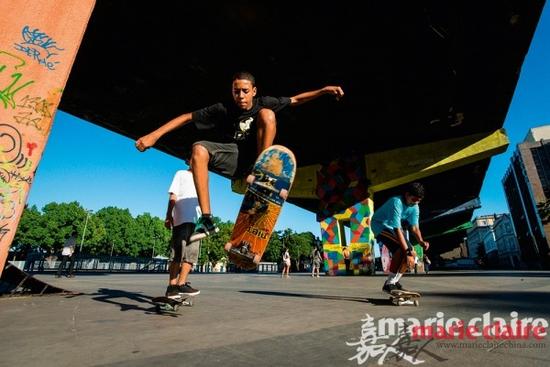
x=183, y=211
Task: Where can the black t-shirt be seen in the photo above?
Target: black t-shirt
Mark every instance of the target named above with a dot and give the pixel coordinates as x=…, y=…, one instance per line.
x=233, y=124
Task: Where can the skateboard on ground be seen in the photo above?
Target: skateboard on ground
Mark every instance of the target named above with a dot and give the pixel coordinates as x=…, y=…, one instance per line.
x=402, y=297
x=268, y=188
x=163, y=304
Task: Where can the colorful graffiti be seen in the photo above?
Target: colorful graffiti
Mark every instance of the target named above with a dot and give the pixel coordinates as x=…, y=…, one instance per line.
x=360, y=257
x=39, y=47
x=34, y=67
x=10, y=78
x=340, y=184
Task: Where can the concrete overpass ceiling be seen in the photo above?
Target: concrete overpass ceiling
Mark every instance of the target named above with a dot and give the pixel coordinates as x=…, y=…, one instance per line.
x=413, y=72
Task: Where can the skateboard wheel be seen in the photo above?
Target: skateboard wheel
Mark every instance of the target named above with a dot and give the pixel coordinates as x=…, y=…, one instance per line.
x=228, y=246
x=250, y=179
x=176, y=307
x=190, y=303
x=416, y=303
x=283, y=194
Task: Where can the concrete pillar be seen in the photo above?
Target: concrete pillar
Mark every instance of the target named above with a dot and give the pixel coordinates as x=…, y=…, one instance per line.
x=360, y=244
x=39, y=40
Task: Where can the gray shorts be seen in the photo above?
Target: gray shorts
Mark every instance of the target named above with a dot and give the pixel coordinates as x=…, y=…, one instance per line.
x=181, y=250
x=226, y=160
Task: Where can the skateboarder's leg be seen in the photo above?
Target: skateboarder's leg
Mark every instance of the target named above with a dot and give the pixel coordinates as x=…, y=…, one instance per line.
x=190, y=256
x=267, y=129
x=398, y=262
x=62, y=265
x=219, y=157
x=199, y=160
x=176, y=245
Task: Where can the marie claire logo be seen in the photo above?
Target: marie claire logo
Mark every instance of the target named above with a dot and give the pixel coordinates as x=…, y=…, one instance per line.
x=406, y=339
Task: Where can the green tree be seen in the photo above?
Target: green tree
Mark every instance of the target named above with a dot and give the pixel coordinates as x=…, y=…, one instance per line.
x=212, y=247
x=58, y=221
x=274, y=249
x=30, y=230
x=94, y=237
x=149, y=236
x=120, y=227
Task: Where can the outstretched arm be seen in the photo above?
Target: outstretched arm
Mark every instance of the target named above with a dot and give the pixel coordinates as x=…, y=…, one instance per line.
x=308, y=96
x=147, y=141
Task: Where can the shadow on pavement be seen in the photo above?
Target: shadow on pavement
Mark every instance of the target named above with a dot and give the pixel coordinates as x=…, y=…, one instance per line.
x=108, y=295
x=302, y=295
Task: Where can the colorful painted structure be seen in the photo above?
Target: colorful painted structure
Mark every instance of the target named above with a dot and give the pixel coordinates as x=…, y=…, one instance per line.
x=38, y=44
x=360, y=245
x=342, y=187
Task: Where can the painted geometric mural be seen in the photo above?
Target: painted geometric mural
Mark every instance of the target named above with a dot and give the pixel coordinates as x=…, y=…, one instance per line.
x=341, y=184
x=361, y=256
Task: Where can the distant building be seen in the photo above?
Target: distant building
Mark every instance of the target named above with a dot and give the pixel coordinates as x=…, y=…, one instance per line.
x=481, y=240
x=526, y=184
x=492, y=241
x=507, y=244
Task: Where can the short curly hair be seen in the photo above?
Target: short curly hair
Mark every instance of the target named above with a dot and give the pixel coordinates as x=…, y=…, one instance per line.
x=415, y=189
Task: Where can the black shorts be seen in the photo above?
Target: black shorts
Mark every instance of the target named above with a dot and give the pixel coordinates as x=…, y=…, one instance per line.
x=228, y=159
x=389, y=239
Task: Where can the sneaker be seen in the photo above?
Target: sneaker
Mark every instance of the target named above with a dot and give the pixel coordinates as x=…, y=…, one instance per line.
x=388, y=287
x=172, y=291
x=399, y=286
x=187, y=290
x=204, y=227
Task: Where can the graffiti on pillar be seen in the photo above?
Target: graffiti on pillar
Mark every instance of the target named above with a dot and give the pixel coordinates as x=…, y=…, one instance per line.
x=39, y=47
x=361, y=256
x=340, y=184
x=16, y=174
x=11, y=78
x=35, y=112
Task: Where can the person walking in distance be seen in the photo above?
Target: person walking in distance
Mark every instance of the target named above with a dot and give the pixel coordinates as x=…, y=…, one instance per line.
x=316, y=262
x=67, y=254
x=286, y=263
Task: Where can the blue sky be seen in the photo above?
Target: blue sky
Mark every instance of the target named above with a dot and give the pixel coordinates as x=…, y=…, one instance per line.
x=86, y=163
x=530, y=107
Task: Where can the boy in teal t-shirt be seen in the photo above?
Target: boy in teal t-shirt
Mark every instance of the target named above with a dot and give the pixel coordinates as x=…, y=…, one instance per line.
x=386, y=226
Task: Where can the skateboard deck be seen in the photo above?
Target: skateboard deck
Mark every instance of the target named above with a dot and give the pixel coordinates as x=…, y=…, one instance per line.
x=268, y=187
x=163, y=304
x=402, y=297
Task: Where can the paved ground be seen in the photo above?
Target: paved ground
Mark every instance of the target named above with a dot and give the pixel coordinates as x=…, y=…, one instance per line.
x=263, y=320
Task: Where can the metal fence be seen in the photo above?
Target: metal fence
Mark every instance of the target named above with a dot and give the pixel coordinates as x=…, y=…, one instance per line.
x=128, y=264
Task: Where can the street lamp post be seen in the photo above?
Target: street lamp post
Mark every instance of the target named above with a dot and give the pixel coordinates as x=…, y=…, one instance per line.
x=84, y=232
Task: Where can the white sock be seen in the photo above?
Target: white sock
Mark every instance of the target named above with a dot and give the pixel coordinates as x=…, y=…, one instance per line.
x=392, y=278
x=398, y=277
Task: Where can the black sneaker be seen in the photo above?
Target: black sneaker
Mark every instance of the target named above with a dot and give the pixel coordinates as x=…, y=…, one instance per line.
x=388, y=287
x=172, y=291
x=204, y=227
x=399, y=286
x=187, y=290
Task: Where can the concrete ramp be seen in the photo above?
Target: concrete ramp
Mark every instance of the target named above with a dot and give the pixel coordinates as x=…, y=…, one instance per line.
x=15, y=282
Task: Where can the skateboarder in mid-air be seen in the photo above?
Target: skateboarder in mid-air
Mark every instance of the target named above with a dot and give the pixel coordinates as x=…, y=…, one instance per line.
x=245, y=128
x=386, y=225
